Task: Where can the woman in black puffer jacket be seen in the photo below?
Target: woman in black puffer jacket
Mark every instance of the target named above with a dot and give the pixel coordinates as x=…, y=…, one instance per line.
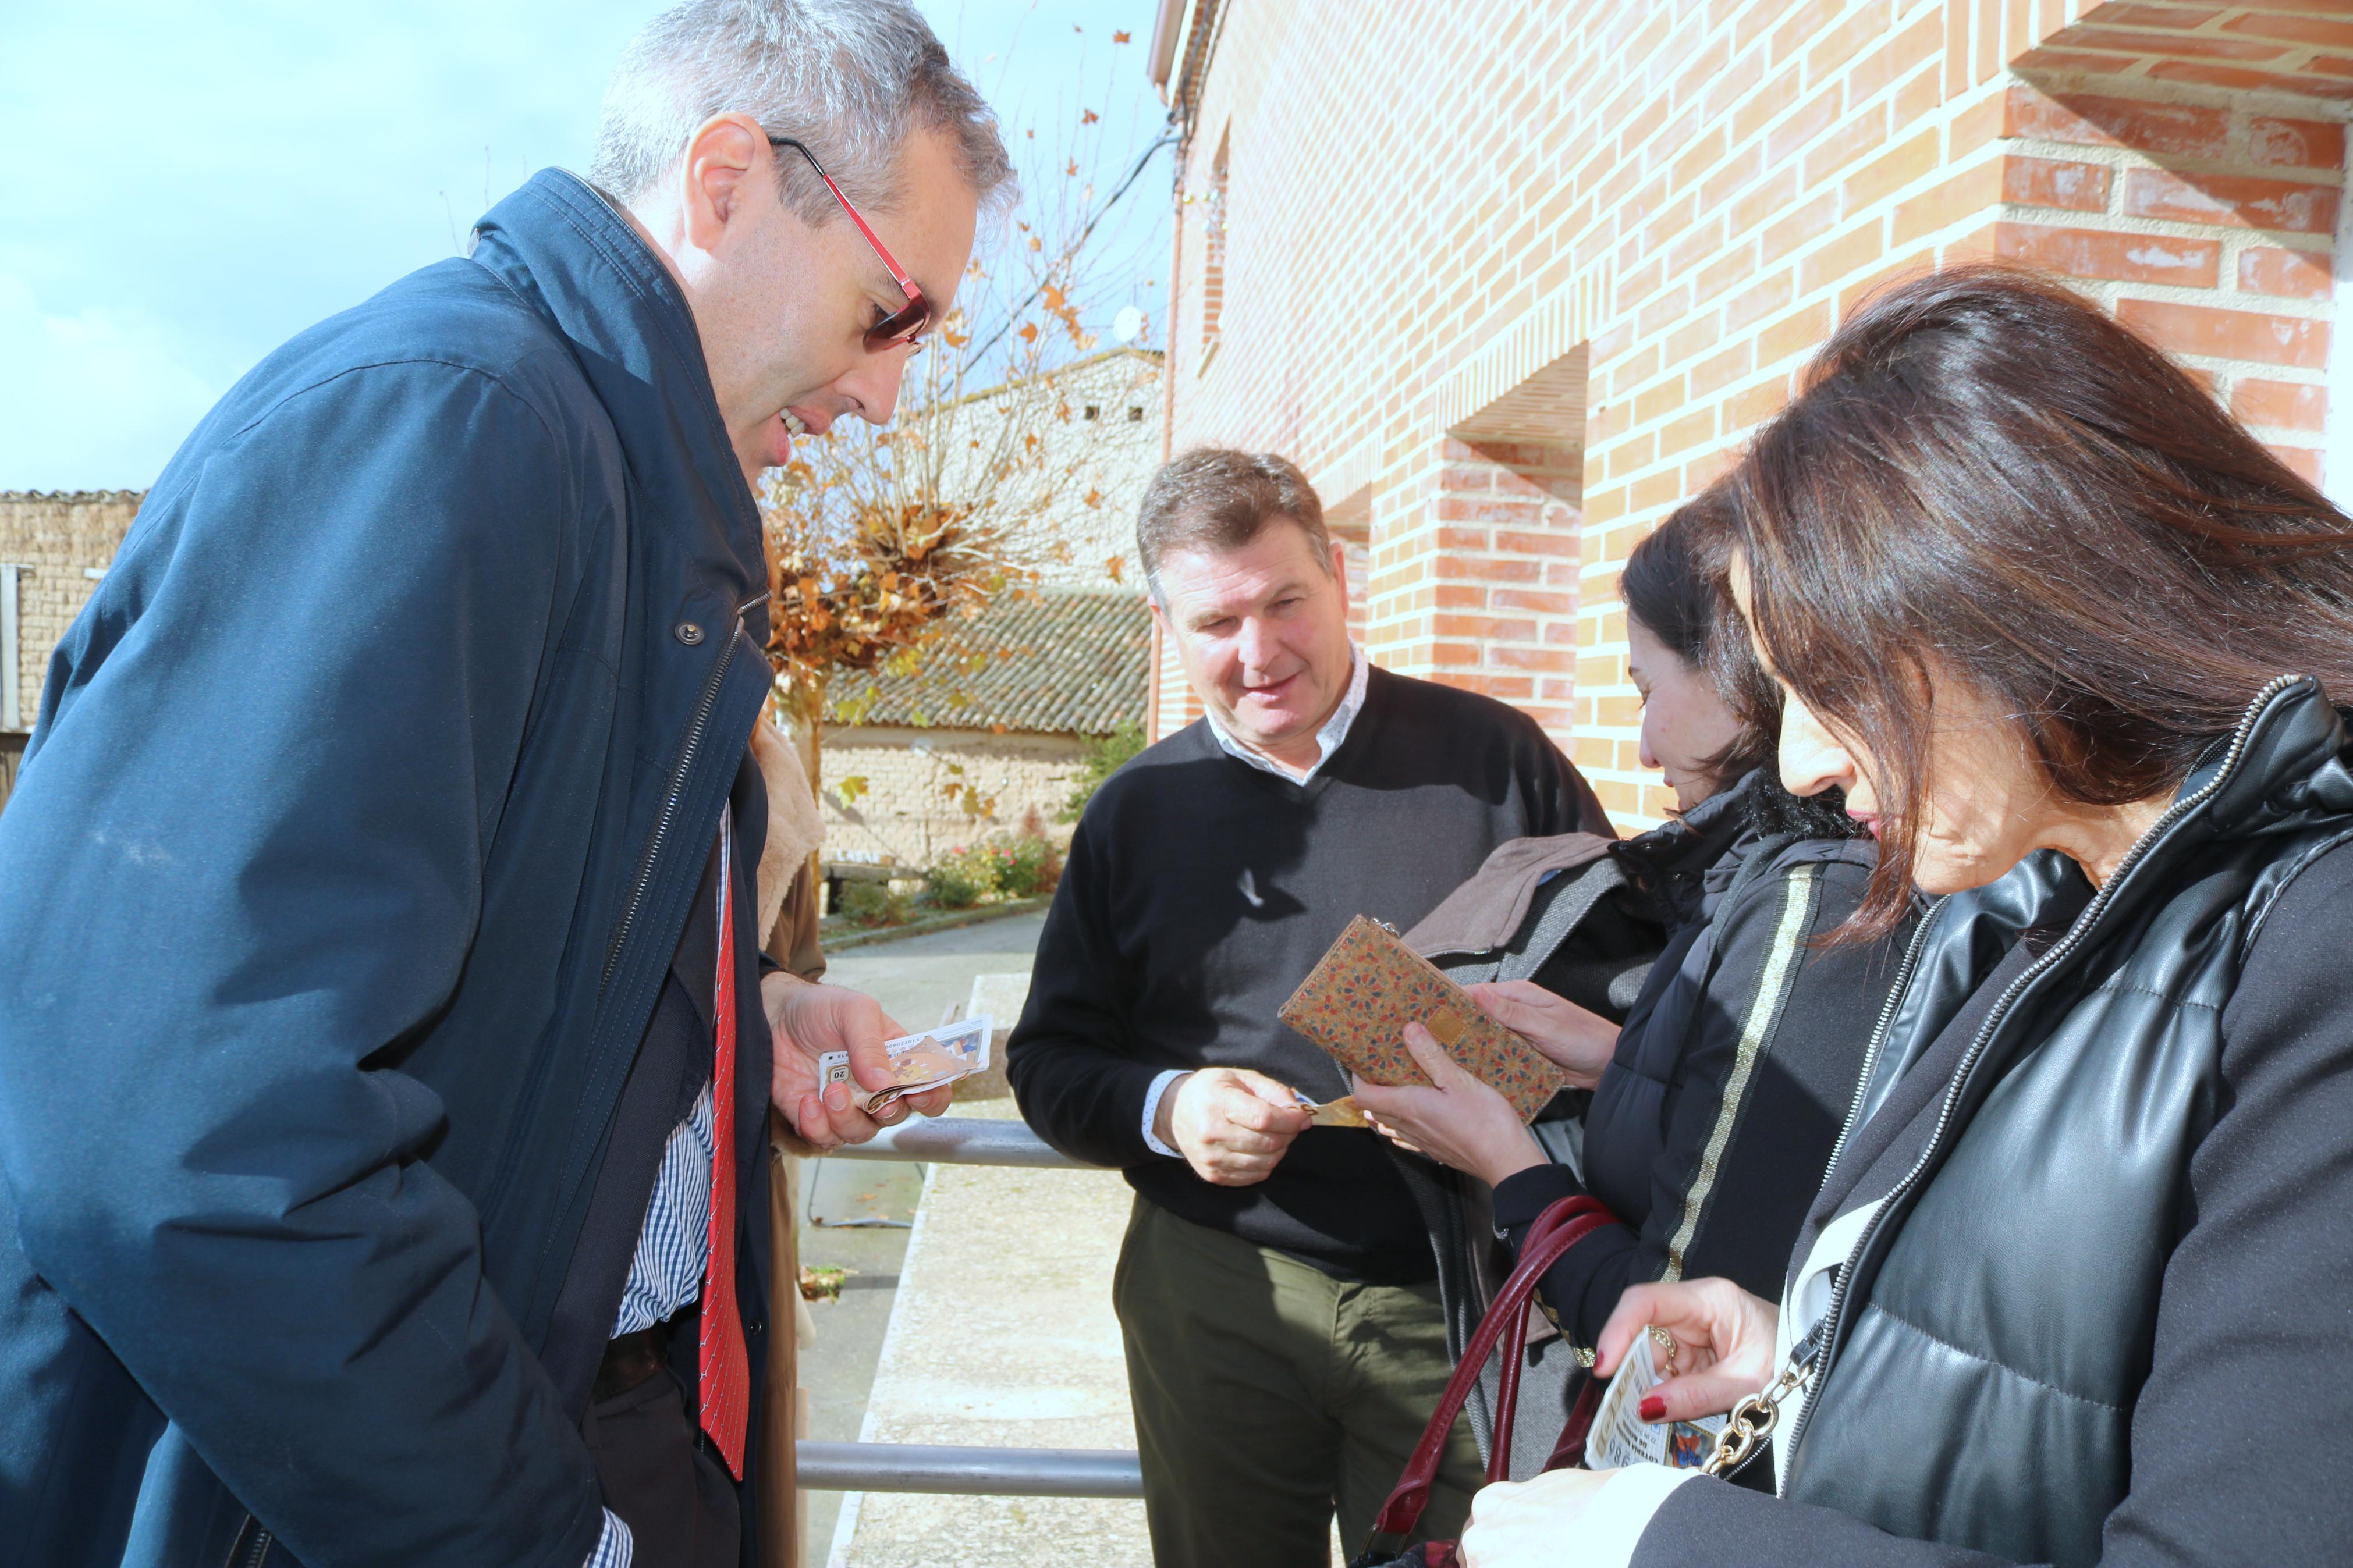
x=2075, y=1289
x=1714, y=1105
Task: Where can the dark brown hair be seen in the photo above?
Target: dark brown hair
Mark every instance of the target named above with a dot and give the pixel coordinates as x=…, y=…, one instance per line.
x=1673, y=583
x=1985, y=479
x=1213, y=500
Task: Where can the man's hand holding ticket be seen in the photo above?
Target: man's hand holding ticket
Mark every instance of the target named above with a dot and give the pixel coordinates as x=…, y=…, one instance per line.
x=918, y=1062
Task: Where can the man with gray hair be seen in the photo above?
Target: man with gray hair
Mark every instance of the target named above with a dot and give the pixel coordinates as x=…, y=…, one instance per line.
x=1277, y=1289
x=400, y=1196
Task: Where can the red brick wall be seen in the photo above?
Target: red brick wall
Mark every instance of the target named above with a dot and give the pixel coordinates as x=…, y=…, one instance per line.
x=1518, y=275
x=2201, y=212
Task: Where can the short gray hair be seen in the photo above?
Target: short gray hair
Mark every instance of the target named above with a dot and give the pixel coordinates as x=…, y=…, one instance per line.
x=1213, y=500
x=850, y=78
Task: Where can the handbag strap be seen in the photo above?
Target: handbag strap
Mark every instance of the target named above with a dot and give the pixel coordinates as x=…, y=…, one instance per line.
x=1587, y=1214
x=1570, y=1452
x=1560, y=1228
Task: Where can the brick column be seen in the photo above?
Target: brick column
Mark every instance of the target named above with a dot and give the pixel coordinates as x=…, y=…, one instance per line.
x=1504, y=579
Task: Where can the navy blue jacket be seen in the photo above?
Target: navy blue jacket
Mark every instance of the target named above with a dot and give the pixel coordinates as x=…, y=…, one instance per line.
x=352, y=850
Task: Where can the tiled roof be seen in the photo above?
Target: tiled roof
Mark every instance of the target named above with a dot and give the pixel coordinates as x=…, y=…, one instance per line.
x=1061, y=662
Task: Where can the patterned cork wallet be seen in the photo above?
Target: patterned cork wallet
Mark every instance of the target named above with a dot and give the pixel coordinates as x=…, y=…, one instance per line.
x=1363, y=993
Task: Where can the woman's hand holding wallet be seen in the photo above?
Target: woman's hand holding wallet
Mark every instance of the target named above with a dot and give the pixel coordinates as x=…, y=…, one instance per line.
x=1462, y=1123
x=1458, y=1120
x=1577, y=1039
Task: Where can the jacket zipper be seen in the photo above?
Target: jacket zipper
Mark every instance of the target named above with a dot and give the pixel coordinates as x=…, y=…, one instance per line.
x=1833, y=1323
x=703, y=710
x=704, y=707
x=251, y=1546
x=1879, y=1035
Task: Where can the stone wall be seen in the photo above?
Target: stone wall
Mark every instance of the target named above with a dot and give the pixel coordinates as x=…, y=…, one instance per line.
x=57, y=541
x=905, y=810
x=1604, y=238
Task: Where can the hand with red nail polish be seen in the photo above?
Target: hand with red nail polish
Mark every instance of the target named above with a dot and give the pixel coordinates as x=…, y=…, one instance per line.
x=1723, y=1342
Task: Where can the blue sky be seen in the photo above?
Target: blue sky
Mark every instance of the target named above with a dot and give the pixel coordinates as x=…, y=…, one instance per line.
x=190, y=185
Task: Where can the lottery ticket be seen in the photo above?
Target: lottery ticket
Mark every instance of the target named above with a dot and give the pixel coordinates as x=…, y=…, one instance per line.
x=1621, y=1435
x=1342, y=1112
x=918, y=1062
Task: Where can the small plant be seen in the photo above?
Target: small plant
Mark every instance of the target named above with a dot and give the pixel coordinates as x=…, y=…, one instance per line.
x=823, y=1283
x=953, y=883
x=1024, y=865
x=1105, y=756
x=871, y=904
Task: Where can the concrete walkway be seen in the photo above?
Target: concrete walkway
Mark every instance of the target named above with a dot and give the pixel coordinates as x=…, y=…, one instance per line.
x=917, y=977
x=989, y=1323
x=1003, y=1335
x=855, y=1214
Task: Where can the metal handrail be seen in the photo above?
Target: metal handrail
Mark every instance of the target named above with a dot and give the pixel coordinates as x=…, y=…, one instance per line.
x=955, y=1470
x=963, y=1141
x=969, y=1472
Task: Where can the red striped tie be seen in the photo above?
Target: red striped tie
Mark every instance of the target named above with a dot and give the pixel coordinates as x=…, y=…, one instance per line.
x=726, y=1381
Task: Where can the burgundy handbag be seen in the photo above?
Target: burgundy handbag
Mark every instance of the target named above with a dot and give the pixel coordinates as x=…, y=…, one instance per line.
x=1559, y=1228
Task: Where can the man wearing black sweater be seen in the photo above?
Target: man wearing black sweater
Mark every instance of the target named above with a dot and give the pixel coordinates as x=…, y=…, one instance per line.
x=1277, y=1287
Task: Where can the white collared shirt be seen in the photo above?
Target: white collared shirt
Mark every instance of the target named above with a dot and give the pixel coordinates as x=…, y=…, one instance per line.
x=1328, y=739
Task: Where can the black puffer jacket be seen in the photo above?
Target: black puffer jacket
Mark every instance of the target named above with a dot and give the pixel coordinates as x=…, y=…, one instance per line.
x=2096, y=1306
x=1707, y=1135
x=1740, y=1047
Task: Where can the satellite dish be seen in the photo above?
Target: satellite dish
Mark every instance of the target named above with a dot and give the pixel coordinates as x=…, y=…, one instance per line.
x=1128, y=325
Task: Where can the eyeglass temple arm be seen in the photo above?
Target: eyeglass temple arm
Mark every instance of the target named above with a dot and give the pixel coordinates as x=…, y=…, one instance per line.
x=898, y=274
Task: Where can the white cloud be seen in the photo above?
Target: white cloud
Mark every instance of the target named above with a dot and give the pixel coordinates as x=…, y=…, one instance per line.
x=94, y=400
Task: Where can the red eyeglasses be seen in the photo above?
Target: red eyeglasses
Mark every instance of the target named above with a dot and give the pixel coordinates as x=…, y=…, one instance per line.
x=904, y=325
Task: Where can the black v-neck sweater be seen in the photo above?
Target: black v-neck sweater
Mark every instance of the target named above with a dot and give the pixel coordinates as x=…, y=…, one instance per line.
x=1198, y=892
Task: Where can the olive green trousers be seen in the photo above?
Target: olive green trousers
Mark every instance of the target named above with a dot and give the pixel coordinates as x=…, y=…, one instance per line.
x=1267, y=1393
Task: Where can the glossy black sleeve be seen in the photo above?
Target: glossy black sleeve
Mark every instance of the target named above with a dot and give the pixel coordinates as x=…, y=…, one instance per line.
x=2234, y=1459
x=1764, y=1081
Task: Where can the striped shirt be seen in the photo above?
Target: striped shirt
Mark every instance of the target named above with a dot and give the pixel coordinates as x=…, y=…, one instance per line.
x=674, y=1243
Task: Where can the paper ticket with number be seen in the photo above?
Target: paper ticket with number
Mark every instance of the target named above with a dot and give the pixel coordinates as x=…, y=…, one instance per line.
x=918, y=1062
x=1621, y=1435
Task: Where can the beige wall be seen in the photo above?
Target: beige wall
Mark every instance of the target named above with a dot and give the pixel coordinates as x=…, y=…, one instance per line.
x=56, y=540
x=904, y=810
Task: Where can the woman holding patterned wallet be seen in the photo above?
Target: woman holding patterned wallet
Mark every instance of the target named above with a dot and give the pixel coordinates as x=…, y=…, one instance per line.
x=2074, y=1290
x=1713, y=1107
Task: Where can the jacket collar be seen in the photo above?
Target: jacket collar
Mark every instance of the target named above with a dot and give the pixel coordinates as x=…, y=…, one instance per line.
x=1690, y=861
x=2282, y=771
x=561, y=247
x=2278, y=772
x=2284, y=768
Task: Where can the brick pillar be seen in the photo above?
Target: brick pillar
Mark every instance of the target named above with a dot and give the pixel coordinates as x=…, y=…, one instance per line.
x=1506, y=588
